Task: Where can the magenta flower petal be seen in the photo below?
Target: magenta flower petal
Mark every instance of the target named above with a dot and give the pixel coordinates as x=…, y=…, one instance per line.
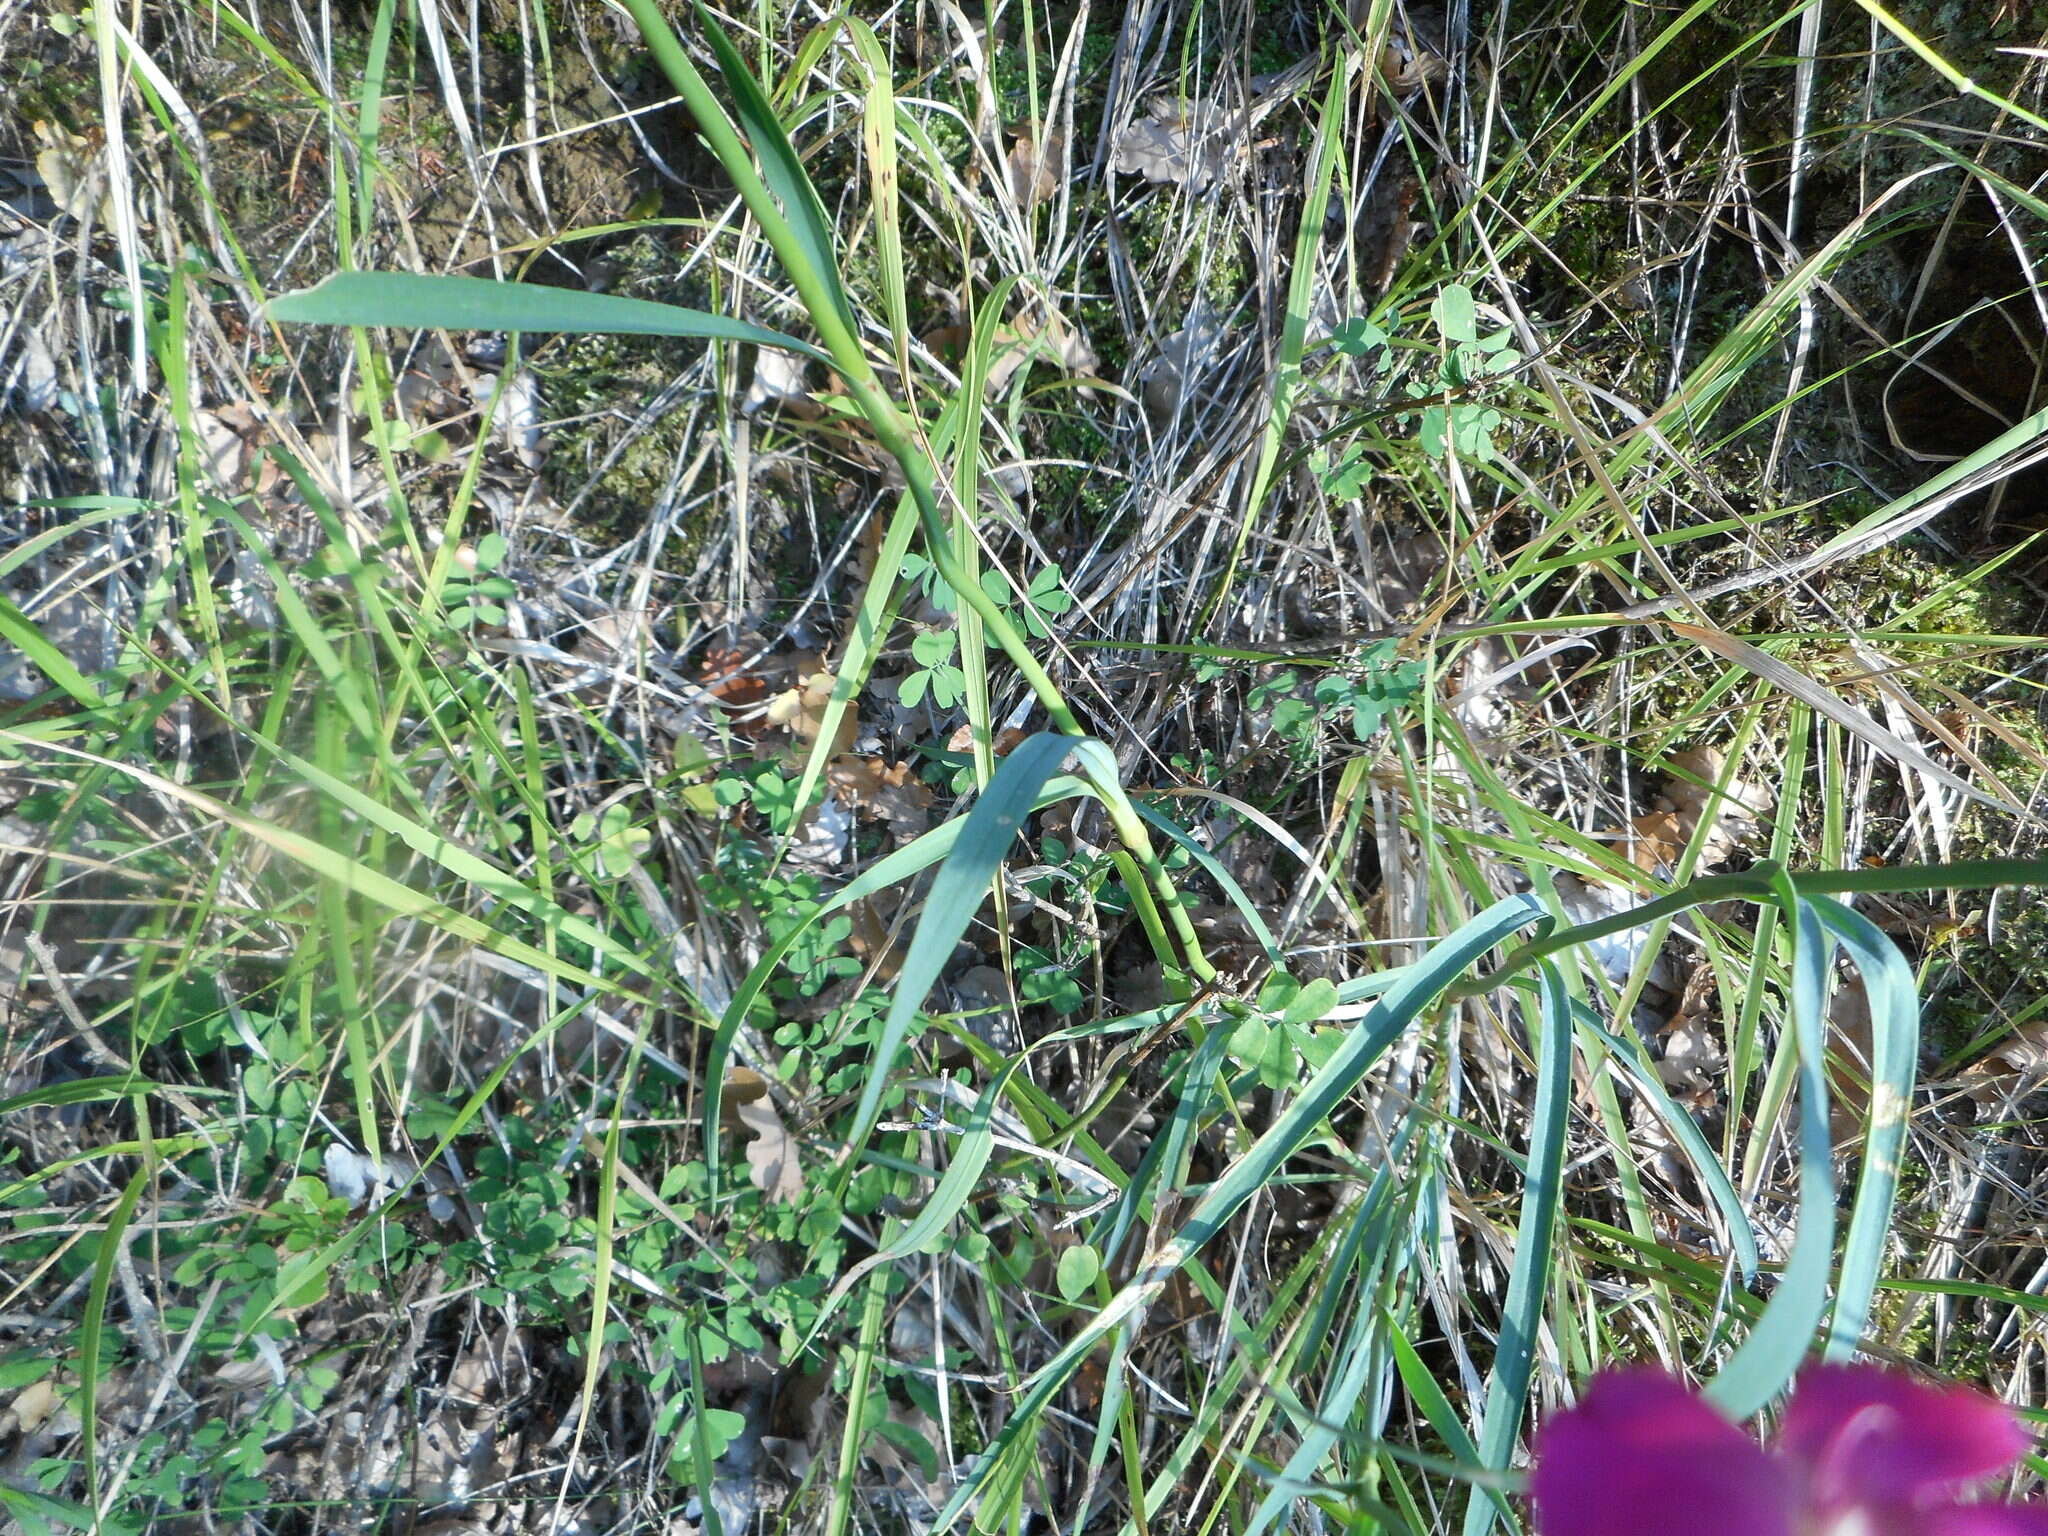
x=1877, y=1439
x=1642, y=1452
x=1985, y=1520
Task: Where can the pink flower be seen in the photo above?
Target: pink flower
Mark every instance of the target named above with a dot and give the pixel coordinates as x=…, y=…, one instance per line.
x=1860, y=1452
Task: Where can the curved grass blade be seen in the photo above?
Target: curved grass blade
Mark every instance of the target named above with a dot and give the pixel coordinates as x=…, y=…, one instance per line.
x=92, y=1328
x=1514, y=1359
x=1211, y=866
x=1767, y=1359
x=1388, y=1020
x=926, y=1233
x=781, y=168
x=438, y=302
x=956, y=894
x=92, y=1090
x=1895, y=1055
x=906, y=861
x=1706, y=1165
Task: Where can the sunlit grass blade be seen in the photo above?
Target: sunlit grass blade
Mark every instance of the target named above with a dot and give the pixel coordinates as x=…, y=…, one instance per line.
x=1895, y=1055
x=1768, y=1358
x=92, y=1331
x=434, y=301
x=955, y=896
x=1706, y=1164
x=927, y=1230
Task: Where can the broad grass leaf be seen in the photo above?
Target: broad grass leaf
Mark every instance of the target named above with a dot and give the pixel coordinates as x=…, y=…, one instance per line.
x=440, y=302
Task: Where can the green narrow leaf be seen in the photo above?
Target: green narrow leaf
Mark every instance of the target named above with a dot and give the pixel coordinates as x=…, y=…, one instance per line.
x=1514, y=1358
x=901, y=865
x=92, y=1328
x=926, y=1233
x=956, y=895
x=1771, y=1354
x=781, y=168
x=18, y=628
x=1706, y=1164
x=432, y=302
x=1364, y=1044
x=90, y=1090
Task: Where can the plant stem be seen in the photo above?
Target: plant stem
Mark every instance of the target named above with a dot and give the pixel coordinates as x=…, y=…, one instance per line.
x=896, y=436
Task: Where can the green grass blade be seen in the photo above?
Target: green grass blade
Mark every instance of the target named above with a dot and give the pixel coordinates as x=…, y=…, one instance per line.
x=436, y=302
x=1514, y=1360
x=1767, y=1359
x=955, y=896
x=927, y=1231
x=1364, y=1044
x=1895, y=1057
x=781, y=168
x=901, y=865
x=20, y=630
x=92, y=1328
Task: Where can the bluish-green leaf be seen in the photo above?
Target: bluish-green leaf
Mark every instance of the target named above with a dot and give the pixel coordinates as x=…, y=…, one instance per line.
x=1894, y=1061
x=423, y=302
x=1771, y=1354
x=956, y=895
x=1514, y=1355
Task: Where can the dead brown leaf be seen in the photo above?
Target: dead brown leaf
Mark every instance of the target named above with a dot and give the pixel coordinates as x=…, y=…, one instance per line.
x=1849, y=1046
x=801, y=710
x=870, y=941
x=771, y=1152
x=1034, y=169
x=1184, y=356
x=1176, y=141
x=883, y=789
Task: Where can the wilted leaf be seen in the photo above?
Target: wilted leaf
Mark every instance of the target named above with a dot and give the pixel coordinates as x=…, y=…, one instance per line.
x=779, y=381
x=1183, y=357
x=73, y=174
x=28, y=378
x=518, y=416
x=888, y=790
x=801, y=710
x=1177, y=141
x=771, y=1152
x=1034, y=169
x=1732, y=816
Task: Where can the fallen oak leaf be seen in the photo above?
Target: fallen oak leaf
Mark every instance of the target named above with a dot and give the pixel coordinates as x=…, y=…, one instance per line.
x=801, y=710
x=888, y=790
x=771, y=1152
x=1176, y=141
